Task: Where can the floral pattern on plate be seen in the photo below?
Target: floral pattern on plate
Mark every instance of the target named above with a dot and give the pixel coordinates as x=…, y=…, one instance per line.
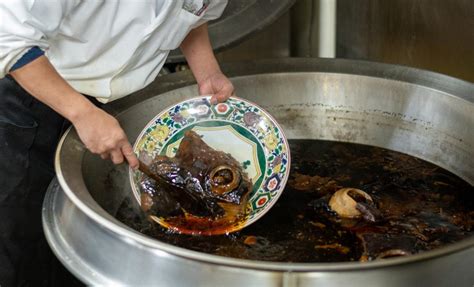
x=238, y=127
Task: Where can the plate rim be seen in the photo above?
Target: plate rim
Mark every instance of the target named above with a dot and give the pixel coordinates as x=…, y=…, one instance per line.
x=283, y=182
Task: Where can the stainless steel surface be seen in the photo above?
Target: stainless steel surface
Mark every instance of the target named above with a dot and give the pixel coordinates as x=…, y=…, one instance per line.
x=437, y=35
x=417, y=112
x=273, y=41
x=240, y=19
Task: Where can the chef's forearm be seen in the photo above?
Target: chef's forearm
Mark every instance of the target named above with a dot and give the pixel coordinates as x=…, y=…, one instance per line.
x=197, y=49
x=42, y=81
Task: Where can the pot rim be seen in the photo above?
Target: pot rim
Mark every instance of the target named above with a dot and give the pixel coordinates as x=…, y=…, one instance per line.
x=465, y=90
x=145, y=241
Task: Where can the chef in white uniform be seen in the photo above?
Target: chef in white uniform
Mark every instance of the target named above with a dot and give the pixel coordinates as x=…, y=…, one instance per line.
x=52, y=54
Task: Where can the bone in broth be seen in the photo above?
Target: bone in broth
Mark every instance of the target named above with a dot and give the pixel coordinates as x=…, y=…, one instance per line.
x=343, y=202
x=201, y=191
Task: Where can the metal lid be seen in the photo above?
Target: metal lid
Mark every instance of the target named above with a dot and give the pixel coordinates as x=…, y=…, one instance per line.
x=239, y=20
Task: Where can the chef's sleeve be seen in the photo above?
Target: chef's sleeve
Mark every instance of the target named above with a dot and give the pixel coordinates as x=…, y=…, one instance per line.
x=214, y=11
x=26, y=26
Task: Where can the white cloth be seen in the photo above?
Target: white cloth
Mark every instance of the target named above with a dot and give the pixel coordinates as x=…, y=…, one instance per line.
x=103, y=48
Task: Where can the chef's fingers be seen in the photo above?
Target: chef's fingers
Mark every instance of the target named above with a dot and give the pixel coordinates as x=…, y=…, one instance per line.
x=223, y=94
x=130, y=156
x=116, y=156
x=104, y=155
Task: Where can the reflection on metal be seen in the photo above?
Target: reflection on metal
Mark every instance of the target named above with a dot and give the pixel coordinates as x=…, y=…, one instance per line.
x=240, y=19
x=271, y=42
x=437, y=35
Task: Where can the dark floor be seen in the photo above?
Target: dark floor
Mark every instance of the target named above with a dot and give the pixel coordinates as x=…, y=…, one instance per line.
x=63, y=277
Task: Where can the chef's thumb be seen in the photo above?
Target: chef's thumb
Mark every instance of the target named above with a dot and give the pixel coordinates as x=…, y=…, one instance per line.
x=220, y=97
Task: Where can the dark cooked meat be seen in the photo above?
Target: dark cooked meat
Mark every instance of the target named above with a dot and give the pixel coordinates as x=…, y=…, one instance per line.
x=197, y=181
x=385, y=245
x=195, y=156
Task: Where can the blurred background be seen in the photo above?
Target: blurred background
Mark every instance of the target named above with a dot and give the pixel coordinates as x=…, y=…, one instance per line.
x=436, y=35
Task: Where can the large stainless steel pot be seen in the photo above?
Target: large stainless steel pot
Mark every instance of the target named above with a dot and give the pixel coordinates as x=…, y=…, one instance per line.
x=424, y=114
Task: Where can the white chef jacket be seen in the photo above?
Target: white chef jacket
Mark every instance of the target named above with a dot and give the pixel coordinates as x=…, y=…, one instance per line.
x=102, y=48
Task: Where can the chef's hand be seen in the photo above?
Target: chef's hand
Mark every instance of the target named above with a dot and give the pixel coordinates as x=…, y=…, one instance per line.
x=99, y=131
x=217, y=85
x=101, y=134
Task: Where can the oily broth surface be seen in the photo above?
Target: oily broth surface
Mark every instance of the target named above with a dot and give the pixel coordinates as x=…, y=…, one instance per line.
x=421, y=206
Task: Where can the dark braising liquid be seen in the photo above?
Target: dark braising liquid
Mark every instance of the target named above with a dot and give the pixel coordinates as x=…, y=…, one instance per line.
x=420, y=207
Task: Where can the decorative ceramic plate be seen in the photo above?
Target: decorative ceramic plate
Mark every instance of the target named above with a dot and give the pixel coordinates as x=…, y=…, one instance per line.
x=238, y=127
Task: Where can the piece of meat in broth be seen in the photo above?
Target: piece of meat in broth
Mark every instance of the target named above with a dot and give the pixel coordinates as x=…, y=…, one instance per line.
x=203, y=181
